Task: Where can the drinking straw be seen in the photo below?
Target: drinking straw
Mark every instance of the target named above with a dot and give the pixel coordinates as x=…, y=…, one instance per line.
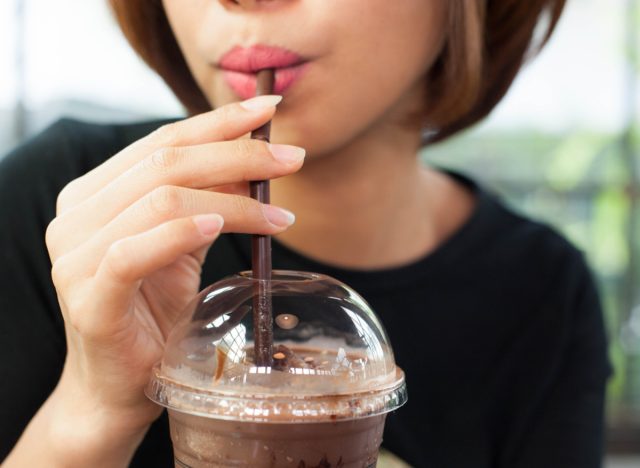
x=261, y=249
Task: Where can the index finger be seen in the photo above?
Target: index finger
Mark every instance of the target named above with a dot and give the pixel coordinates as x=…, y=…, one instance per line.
x=227, y=122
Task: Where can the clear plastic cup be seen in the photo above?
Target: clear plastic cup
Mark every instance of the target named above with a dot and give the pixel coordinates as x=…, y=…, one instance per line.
x=322, y=403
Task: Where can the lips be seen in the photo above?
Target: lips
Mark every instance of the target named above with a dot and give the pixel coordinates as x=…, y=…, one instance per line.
x=241, y=64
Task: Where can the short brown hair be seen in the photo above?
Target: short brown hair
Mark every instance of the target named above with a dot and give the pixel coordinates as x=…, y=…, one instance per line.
x=487, y=43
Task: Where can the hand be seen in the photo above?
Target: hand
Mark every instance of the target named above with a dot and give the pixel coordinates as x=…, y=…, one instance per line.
x=131, y=235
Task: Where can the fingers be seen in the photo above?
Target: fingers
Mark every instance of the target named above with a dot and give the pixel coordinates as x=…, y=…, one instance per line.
x=224, y=123
x=222, y=164
x=241, y=214
x=212, y=164
x=133, y=258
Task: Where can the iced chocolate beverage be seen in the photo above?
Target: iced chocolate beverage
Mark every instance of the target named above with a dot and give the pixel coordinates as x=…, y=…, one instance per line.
x=321, y=403
x=199, y=442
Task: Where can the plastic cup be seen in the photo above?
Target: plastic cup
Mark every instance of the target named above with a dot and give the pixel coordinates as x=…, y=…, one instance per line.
x=324, y=401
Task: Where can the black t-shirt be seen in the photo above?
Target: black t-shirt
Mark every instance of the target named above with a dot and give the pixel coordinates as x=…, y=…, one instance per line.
x=499, y=330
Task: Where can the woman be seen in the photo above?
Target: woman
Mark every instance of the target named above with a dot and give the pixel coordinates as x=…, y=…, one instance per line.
x=493, y=317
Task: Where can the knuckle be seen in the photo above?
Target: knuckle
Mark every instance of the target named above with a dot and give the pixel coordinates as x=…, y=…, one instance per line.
x=223, y=117
x=163, y=160
x=174, y=234
x=58, y=272
x=246, y=157
x=244, y=206
x=167, y=134
x=118, y=261
x=61, y=272
x=245, y=150
x=65, y=197
x=165, y=200
x=51, y=234
x=224, y=114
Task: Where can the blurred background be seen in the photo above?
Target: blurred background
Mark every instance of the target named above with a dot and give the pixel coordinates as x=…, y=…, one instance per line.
x=564, y=146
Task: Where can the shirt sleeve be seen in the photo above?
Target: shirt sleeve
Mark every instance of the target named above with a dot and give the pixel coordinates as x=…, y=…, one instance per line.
x=32, y=345
x=567, y=426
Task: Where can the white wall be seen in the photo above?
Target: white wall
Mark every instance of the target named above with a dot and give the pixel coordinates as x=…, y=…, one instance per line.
x=75, y=50
x=578, y=80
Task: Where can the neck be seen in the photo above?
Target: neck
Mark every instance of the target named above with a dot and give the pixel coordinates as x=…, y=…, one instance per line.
x=363, y=206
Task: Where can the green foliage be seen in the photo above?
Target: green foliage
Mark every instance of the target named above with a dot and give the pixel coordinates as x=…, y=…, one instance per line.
x=580, y=184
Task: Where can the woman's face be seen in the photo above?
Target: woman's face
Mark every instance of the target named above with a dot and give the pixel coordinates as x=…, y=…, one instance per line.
x=365, y=59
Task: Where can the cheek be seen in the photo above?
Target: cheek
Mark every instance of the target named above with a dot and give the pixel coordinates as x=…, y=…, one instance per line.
x=373, y=73
x=181, y=19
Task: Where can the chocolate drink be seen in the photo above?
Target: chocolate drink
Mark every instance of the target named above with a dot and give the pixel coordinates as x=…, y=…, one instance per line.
x=330, y=441
x=205, y=442
x=323, y=401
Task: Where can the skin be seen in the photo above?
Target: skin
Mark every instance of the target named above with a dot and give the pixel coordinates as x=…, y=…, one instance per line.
x=130, y=236
x=349, y=203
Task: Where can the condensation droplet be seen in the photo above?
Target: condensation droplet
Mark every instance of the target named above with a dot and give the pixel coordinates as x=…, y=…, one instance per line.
x=287, y=321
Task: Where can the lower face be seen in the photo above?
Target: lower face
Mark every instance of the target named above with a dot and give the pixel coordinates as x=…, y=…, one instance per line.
x=365, y=61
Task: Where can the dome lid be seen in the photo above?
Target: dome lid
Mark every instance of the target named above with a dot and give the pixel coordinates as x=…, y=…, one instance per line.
x=331, y=356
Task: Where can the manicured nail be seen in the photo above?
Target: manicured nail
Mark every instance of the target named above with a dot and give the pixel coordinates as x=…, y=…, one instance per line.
x=286, y=153
x=278, y=216
x=209, y=224
x=261, y=102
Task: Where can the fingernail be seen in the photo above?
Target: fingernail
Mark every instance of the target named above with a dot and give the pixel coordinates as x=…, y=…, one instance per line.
x=261, y=102
x=286, y=153
x=278, y=216
x=209, y=224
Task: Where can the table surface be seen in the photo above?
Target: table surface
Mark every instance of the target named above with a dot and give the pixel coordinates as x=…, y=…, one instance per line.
x=623, y=461
x=387, y=459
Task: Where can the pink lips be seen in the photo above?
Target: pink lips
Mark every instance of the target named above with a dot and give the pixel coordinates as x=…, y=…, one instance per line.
x=240, y=66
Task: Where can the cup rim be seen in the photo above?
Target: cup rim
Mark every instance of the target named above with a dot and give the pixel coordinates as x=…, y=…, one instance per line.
x=276, y=408
x=285, y=276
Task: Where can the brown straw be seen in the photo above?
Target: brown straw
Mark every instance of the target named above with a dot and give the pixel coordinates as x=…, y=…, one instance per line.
x=261, y=249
